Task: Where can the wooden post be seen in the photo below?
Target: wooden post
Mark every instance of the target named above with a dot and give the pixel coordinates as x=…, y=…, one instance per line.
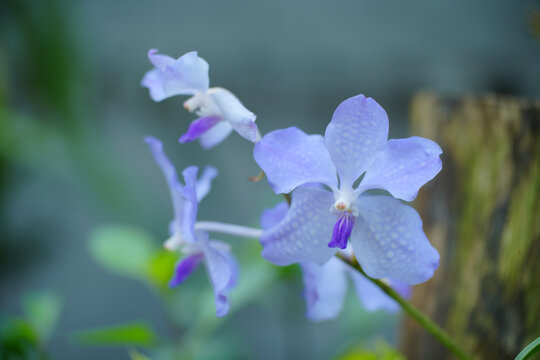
x=482, y=213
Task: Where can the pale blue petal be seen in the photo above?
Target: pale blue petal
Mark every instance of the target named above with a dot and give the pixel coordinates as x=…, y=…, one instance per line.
x=373, y=298
x=358, y=131
x=389, y=242
x=215, y=135
x=191, y=203
x=175, y=187
x=205, y=182
x=304, y=234
x=184, y=76
x=290, y=158
x=324, y=289
x=272, y=217
x=403, y=167
x=241, y=119
x=221, y=272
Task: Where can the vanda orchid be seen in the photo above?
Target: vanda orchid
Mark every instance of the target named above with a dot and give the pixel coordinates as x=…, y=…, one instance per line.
x=386, y=235
x=184, y=236
x=325, y=286
x=379, y=241
x=219, y=111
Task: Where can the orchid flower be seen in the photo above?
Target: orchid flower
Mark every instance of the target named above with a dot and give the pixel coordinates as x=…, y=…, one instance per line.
x=218, y=110
x=193, y=242
x=325, y=286
x=386, y=235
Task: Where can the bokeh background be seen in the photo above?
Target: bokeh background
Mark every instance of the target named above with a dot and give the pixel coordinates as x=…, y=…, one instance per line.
x=73, y=165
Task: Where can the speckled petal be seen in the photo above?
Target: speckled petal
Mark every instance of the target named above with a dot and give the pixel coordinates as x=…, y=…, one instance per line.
x=305, y=232
x=373, y=298
x=358, y=131
x=290, y=158
x=272, y=217
x=389, y=242
x=403, y=167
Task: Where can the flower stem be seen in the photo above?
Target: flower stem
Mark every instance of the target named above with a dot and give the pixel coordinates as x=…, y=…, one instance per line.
x=230, y=229
x=442, y=336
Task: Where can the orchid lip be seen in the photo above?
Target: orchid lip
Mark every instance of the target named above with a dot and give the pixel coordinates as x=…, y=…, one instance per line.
x=342, y=230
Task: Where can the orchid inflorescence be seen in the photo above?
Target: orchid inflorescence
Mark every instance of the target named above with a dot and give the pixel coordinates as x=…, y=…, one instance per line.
x=332, y=210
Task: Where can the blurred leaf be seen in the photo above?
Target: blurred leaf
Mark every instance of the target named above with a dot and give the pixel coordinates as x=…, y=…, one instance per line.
x=529, y=350
x=43, y=311
x=135, y=355
x=162, y=268
x=18, y=340
x=382, y=351
x=136, y=333
x=123, y=250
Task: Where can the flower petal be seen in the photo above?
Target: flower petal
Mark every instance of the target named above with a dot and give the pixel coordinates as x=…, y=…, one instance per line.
x=184, y=268
x=272, y=217
x=191, y=203
x=324, y=289
x=373, y=298
x=215, y=135
x=389, y=242
x=198, y=127
x=205, y=182
x=357, y=132
x=241, y=119
x=175, y=187
x=304, y=233
x=221, y=271
x=289, y=157
x=184, y=76
x=403, y=167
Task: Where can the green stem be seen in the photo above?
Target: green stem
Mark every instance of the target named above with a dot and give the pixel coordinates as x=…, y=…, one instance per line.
x=413, y=312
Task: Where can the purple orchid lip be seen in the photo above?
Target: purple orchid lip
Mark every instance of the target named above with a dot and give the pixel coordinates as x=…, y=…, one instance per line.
x=342, y=231
x=199, y=127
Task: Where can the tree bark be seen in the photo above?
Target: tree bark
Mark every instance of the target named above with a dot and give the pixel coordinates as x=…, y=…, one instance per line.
x=482, y=213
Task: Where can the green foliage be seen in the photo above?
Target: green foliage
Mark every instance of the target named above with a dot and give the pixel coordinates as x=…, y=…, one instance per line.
x=529, y=350
x=24, y=337
x=130, y=334
x=382, y=351
x=123, y=250
x=42, y=311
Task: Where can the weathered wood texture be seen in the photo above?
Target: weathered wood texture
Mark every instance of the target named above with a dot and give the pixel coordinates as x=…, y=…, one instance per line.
x=482, y=213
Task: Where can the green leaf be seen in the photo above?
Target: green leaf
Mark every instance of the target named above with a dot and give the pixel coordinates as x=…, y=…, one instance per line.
x=135, y=333
x=530, y=350
x=123, y=250
x=42, y=311
x=162, y=268
x=135, y=355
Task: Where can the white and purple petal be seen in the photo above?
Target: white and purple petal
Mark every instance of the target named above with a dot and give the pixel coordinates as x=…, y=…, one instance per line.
x=199, y=127
x=184, y=76
x=403, y=167
x=290, y=158
x=303, y=235
x=272, y=217
x=389, y=242
x=357, y=133
x=241, y=119
x=324, y=289
x=215, y=135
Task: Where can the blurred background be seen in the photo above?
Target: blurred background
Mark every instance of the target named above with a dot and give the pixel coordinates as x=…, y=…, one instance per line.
x=75, y=173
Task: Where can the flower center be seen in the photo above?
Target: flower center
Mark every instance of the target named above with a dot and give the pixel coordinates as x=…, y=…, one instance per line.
x=342, y=230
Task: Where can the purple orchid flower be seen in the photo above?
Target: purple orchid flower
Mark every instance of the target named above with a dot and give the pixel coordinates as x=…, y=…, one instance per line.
x=325, y=286
x=195, y=244
x=386, y=235
x=219, y=111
